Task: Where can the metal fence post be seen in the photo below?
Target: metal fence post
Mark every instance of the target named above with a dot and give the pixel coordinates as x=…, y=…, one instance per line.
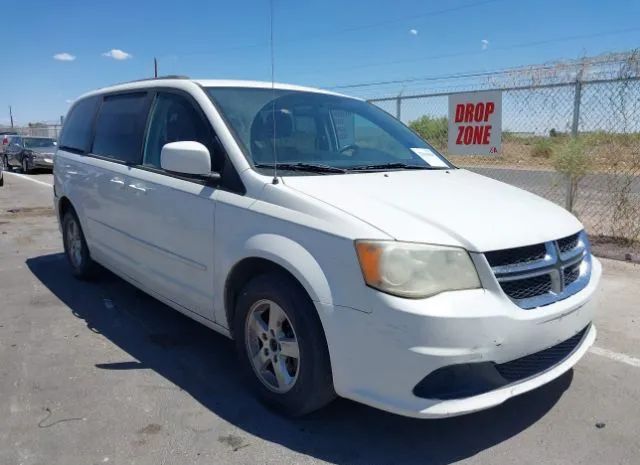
x=574, y=134
x=398, y=107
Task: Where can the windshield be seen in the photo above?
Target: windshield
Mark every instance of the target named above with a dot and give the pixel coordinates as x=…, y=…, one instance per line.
x=38, y=142
x=313, y=130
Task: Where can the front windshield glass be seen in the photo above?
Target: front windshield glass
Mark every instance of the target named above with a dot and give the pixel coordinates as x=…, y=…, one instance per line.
x=38, y=142
x=294, y=127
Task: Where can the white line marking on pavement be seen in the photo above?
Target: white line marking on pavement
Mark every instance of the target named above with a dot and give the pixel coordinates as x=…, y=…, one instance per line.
x=618, y=357
x=29, y=178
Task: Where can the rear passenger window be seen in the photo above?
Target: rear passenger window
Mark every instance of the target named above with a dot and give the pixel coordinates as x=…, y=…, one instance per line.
x=120, y=127
x=76, y=131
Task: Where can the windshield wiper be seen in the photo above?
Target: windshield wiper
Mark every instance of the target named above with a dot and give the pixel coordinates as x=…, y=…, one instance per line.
x=396, y=165
x=310, y=167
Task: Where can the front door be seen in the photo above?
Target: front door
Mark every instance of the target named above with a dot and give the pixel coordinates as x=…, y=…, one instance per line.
x=174, y=214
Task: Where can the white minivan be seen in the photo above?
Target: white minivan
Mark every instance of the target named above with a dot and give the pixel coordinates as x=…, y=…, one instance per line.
x=342, y=253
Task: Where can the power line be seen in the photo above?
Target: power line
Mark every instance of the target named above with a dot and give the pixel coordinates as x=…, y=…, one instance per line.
x=469, y=74
x=401, y=19
x=457, y=54
x=306, y=37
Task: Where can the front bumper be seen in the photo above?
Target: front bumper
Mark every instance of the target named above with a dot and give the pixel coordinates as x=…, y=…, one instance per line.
x=379, y=357
x=39, y=162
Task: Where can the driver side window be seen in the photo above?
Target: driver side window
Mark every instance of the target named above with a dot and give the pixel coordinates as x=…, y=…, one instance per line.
x=173, y=119
x=353, y=129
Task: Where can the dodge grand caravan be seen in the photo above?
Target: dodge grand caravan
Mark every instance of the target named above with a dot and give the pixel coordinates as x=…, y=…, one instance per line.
x=342, y=253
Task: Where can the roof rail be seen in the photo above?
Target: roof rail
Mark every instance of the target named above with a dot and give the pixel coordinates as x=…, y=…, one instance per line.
x=169, y=76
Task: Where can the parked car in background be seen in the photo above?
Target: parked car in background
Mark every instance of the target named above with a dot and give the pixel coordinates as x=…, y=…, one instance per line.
x=341, y=251
x=4, y=140
x=28, y=153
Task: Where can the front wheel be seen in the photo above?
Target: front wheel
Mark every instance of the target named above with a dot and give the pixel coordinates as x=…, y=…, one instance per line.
x=281, y=345
x=75, y=247
x=26, y=169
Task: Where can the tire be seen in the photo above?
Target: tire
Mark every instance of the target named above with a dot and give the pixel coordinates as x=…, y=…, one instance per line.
x=310, y=373
x=75, y=248
x=24, y=166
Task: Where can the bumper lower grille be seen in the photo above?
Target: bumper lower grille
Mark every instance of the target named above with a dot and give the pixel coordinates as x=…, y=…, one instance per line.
x=540, y=274
x=534, y=364
x=471, y=379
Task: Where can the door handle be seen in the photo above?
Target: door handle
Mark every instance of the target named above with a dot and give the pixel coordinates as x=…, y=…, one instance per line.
x=117, y=181
x=138, y=188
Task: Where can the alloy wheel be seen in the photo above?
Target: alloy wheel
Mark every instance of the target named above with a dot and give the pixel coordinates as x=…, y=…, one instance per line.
x=74, y=243
x=272, y=346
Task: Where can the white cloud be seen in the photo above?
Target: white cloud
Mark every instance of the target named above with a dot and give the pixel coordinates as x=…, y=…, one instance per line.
x=485, y=44
x=69, y=100
x=64, y=56
x=117, y=54
x=413, y=32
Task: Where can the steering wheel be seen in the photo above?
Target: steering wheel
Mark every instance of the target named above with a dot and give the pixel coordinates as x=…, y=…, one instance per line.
x=354, y=147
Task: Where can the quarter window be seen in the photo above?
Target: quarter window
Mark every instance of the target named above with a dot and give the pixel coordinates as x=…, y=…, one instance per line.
x=173, y=119
x=76, y=132
x=120, y=127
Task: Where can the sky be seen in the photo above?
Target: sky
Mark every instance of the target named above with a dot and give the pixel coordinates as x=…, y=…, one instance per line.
x=56, y=50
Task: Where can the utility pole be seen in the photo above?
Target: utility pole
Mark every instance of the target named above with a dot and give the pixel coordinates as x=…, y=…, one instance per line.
x=155, y=67
x=11, y=116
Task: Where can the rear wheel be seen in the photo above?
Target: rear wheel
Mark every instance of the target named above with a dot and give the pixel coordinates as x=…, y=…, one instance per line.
x=281, y=345
x=75, y=247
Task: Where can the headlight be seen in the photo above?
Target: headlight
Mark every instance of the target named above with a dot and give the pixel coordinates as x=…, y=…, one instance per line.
x=415, y=270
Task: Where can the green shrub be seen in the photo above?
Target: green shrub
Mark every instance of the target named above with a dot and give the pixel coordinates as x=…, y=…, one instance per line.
x=543, y=148
x=433, y=130
x=572, y=159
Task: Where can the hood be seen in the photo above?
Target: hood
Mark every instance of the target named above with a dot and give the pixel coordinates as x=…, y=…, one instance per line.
x=42, y=151
x=452, y=207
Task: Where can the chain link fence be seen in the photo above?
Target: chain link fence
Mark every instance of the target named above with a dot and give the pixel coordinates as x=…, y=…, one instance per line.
x=574, y=143
x=36, y=130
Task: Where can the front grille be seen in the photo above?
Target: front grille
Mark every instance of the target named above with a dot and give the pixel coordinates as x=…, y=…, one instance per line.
x=534, y=364
x=516, y=256
x=566, y=244
x=571, y=274
x=540, y=274
x=528, y=287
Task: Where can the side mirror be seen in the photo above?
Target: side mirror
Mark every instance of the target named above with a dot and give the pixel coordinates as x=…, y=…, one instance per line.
x=186, y=157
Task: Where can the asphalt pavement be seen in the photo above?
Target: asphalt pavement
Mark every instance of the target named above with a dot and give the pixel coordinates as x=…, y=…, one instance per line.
x=99, y=372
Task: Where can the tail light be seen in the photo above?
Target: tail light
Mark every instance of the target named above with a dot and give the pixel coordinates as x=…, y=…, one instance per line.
x=5, y=140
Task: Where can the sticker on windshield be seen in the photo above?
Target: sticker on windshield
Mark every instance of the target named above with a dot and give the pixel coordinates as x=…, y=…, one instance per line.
x=430, y=157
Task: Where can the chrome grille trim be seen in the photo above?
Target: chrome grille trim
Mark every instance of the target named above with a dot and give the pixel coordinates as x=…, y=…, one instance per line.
x=558, y=264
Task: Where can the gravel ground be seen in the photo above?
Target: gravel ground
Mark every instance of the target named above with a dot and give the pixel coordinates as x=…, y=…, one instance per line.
x=102, y=373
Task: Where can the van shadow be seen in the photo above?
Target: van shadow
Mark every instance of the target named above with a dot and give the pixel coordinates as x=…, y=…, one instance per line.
x=203, y=363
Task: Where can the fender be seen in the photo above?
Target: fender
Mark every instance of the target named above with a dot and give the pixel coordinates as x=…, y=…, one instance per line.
x=284, y=252
x=294, y=258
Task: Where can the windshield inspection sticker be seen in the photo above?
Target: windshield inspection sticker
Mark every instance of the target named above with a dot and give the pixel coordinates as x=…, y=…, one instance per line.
x=430, y=157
